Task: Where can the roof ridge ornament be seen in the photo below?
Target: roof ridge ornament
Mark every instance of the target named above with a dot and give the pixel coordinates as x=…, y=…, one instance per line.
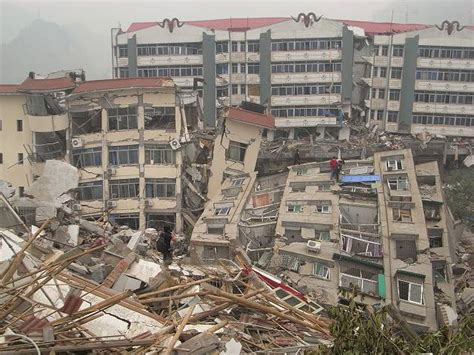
x=449, y=26
x=308, y=19
x=171, y=24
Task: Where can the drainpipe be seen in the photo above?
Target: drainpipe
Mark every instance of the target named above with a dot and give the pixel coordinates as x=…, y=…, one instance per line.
x=112, y=49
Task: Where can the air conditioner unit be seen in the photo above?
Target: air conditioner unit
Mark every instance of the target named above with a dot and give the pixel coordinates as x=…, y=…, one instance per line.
x=111, y=171
x=148, y=202
x=76, y=142
x=76, y=207
x=111, y=204
x=313, y=246
x=174, y=144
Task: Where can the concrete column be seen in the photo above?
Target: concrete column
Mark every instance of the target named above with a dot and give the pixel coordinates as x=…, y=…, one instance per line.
x=105, y=156
x=132, y=56
x=322, y=131
x=270, y=135
x=141, y=161
x=347, y=63
x=407, y=92
x=209, y=71
x=291, y=133
x=265, y=68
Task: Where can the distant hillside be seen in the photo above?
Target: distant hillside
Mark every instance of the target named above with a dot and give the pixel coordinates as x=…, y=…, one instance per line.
x=45, y=47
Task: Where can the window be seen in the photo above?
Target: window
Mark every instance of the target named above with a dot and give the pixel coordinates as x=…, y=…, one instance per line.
x=392, y=116
x=131, y=220
x=321, y=271
x=125, y=188
x=19, y=125
x=293, y=208
x=235, y=68
x=90, y=191
x=159, y=154
x=396, y=73
x=401, y=215
x=1, y=158
x=222, y=92
x=301, y=172
x=235, y=89
x=222, y=68
x=217, y=229
x=125, y=154
x=122, y=118
x=160, y=118
x=380, y=115
x=87, y=157
x=324, y=187
x=236, y=151
x=383, y=51
x=20, y=158
x=397, y=51
x=393, y=164
x=394, y=95
x=253, y=46
x=222, y=47
x=410, y=291
x=323, y=208
x=439, y=272
x=21, y=191
x=381, y=93
x=253, y=68
x=324, y=235
x=243, y=89
x=237, y=182
x=175, y=70
x=406, y=250
x=383, y=72
x=160, y=188
x=0, y=125
x=435, y=236
x=122, y=51
x=374, y=93
x=221, y=211
x=398, y=183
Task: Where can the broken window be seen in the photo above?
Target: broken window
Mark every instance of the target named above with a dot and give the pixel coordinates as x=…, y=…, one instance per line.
x=406, y=250
x=158, y=221
x=45, y=104
x=293, y=208
x=131, y=220
x=86, y=122
x=439, y=271
x=124, y=188
x=160, y=118
x=360, y=246
x=20, y=158
x=321, y=271
x=222, y=47
x=394, y=164
x=323, y=208
x=90, y=191
x=48, y=145
x=122, y=118
x=324, y=235
x=432, y=212
x=160, y=188
x=211, y=253
x=159, y=154
x=221, y=211
x=398, y=183
x=365, y=281
x=410, y=291
x=435, y=236
x=122, y=155
x=236, y=151
x=401, y=215
x=87, y=157
x=324, y=187
x=237, y=182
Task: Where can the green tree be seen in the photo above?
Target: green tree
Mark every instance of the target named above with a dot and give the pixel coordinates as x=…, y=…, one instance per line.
x=459, y=191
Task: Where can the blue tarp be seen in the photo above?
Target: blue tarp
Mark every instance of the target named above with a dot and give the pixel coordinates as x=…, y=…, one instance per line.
x=360, y=178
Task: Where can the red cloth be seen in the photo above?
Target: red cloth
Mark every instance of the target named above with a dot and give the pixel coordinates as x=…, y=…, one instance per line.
x=333, y=164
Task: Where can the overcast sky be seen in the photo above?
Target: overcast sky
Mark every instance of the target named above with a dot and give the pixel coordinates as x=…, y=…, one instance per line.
x=100, y=16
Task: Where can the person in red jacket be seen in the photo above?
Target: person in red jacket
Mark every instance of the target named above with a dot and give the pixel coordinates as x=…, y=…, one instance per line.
x=333, y=165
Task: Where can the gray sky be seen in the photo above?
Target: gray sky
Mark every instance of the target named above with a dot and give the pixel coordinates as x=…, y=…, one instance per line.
x=100, y=16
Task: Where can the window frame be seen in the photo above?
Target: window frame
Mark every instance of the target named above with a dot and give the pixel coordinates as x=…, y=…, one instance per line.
x=410, y=283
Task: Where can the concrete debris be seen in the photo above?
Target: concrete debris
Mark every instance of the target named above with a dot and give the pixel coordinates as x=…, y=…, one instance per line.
x=6, y=189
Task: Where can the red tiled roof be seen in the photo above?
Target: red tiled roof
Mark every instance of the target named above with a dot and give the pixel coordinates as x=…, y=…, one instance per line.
x=127, y=83
x=375, y=28
x=239, y=24
x=46, y=84
x=8, y=89
x=253, y=118
x=235, y=24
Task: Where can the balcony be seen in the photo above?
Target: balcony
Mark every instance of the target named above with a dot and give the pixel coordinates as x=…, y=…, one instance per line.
x=168, y=60
x=306, y=100
x=440, y=63
x=305, y=121
x=443, y=108
x=438, y=85
x=307, y=55
x=360, y=246
x=367, y=286
x=295, y=78
x=383, y=61
x=50, y=123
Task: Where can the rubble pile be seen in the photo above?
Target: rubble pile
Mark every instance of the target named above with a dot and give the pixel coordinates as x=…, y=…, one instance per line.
x=105, y=287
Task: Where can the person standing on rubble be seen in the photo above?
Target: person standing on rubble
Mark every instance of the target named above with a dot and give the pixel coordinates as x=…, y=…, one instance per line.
x=297, y=159
x=163, y=245
x=333, y=166
x=339, y=166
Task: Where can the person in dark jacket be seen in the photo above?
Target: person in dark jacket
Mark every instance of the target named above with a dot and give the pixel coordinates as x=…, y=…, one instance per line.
x=163, y=245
